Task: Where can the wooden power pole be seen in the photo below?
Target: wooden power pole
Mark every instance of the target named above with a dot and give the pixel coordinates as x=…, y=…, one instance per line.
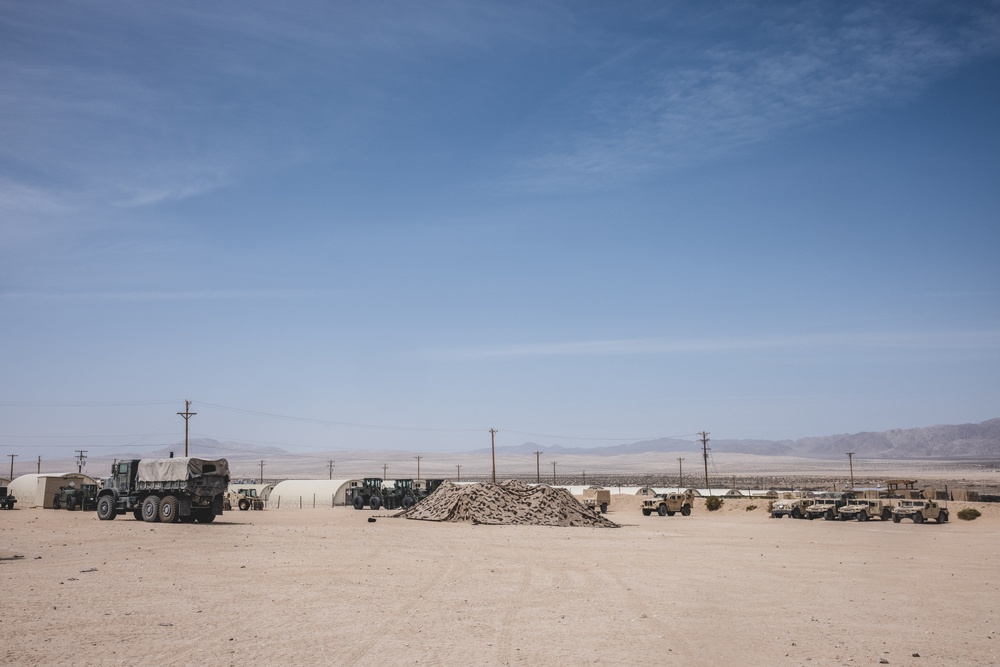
x=187, y=414
x=704, y=452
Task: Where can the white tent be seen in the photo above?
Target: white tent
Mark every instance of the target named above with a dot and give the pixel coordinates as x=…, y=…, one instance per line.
x=308, y=493
x=36, y=490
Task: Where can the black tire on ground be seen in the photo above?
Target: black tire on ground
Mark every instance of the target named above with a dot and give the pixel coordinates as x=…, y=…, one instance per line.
x=604, y=508
x=646, y=511
x=796, y=514
x=671, y=512
x=151, y=508
x=886, y=514
x=775, y=515
x=829, y=516
x=942, y=517
x=896, y=518
x=918, y=518
x=168, y=509
x=106, y=508
x=375, y=502
x=686, y=510
x=204, y=516
x=862, y=516
x=137, y=513
x=662, y=510
x=359, y=503
x=244, y=504
x=408, y=502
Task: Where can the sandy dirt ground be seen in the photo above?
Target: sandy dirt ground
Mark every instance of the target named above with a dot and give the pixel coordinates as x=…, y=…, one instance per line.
x=327, y=587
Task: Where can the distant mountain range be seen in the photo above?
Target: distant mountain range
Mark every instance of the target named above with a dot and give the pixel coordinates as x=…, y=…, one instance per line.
x=963, y=441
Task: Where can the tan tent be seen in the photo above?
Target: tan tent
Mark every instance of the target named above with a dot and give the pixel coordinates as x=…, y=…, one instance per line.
x=309, y=493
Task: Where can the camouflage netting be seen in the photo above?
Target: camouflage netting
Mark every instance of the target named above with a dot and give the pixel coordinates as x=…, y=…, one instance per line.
x=507, y=503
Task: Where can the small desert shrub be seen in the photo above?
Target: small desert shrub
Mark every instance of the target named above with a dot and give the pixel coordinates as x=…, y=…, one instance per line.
x=968, y=514
x=751, y=508
x=713, y=503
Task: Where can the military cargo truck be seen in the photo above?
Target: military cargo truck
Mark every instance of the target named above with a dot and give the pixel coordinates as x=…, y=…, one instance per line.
x=181, y=489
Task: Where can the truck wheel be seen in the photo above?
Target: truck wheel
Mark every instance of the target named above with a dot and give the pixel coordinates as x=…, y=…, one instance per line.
x=829, y=516
x=106, y=508
x=886, y=515
x=359, y=503
x=918, y=518
x=896, y=518
x=796, y=514
x=662, y=510
x=407, y=502
x=604, y=508
x=244, y=505
x=646, y=511
x=151, y=508
x=375, y=502
x=205, y=516
x=942, y=517
x=863, y=516
x=137, y=513
x=168, y=510
x=670, y=513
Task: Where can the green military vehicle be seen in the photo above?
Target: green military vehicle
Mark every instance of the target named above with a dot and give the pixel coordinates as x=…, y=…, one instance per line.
x=7, y=500
x=73, y=497
x=181, y=489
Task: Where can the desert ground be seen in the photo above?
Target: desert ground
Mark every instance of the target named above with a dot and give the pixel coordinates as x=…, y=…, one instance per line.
x=328, y=587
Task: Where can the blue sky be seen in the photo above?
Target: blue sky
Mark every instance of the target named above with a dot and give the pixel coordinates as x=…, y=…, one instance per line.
x=396, y=226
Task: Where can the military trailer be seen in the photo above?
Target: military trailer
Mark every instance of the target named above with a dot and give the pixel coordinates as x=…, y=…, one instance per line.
x=7, y=500
x=181, y=489
x=827, y=505
x=919, y=511
x=595, y=499
x=864, y=509
x=667, y=504
x=791, y=507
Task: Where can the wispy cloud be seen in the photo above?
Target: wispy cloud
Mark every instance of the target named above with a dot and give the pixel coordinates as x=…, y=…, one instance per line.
x=960, y=340
x=811, y=64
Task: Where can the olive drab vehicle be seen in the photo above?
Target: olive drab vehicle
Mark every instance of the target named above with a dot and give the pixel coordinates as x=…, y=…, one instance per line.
x=177, y=489
x=6, y=499
x=919, y=511
x=668, y=504
x=369, y=494
x=72, y=497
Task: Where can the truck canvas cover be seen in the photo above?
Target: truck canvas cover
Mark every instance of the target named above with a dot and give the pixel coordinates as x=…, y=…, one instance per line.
x=179, y=469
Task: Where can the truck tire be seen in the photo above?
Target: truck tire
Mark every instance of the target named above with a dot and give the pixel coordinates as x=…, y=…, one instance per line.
x=375, y=502
x=862, y=516
x=244, y=505
x=106, y=508
x=671, y=512
x=829, y=516
x=359, y=503
x=796, y=514
x=886, y=514
x=918, y=517
x=646, y=511
x=408, y=502
x=205, y=516
x=662, y=510
x=896, y=518
x=942, y=517
x=168, y=509
x=604, y=508
x=151, y=509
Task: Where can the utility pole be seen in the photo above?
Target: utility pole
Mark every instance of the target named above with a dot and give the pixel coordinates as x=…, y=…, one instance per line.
x=81, y=459
x=385, y=466
x=553, y=473
x=680, y=463
x=704, y=451
x=261, y=479
x=12, y=466
x=187, y=414
x=418, y=466
x=493, y=450
x=330, y=463
x=39, y=464
x=850, y=460
x=458, y=467
x=538, y=468
x=585, y=478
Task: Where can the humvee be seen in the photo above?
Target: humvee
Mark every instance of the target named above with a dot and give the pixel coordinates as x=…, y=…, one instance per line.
x=863, y=509
x=827, y=504
x=919, y=511
x=667, y=504
x=793, y=507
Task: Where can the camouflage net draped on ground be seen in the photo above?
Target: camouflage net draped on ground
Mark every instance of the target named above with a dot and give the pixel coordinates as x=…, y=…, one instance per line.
x=507, y=503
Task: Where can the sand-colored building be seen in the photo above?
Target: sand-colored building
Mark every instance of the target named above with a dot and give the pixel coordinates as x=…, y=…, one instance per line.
x=39, y=490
